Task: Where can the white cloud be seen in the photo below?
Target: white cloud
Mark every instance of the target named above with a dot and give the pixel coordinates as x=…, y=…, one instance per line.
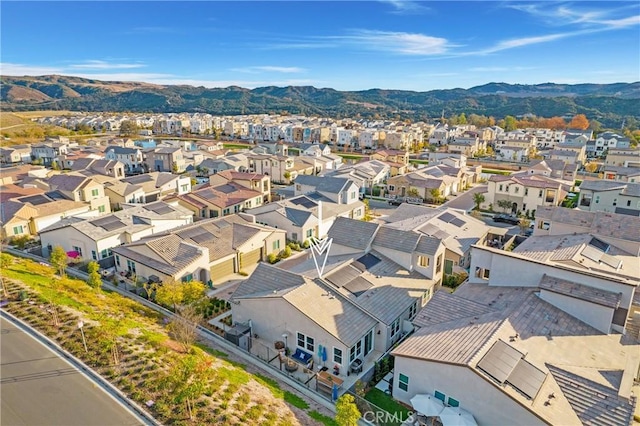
x=249, y=84
x=268, y=68
x=406, y=7
x=7, y=68
x=586, y=15
x=499, y=69
x=399, y=42
x=103, y=65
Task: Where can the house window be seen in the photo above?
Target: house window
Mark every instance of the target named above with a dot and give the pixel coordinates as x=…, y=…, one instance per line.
x=413, y=310
x=105, y=253
x=78, y=249
x=131, y=266
x=305, y=342
x=540, y=194
x=439, y=395
x=423, y=261
x=355, y=352
x=353, y=195
x=439, y=264
x=17, y=230
x=615, y=201
x=276, y=245
x=309, y=233
x=425, y=296
x=517, y=189
x=526, y=191
x=500, y=188
x=236, y=208
x=187, y=278
x=453, y=402
x=486, y=273
x=403, y=382
x=102, y=209
x=185, y=187
x=628, y=203
x=395, y=327
x=203, y=213
x=117, y=260
x=597, y=199
x=94, y=192
x=94, y=255
x=337, y=355
x=225, y=212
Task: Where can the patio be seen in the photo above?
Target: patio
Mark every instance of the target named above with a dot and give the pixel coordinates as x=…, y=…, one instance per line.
x=319, y=377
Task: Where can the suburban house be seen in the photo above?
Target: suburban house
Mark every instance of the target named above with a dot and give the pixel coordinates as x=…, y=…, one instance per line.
x=257, y=182
x=457, y=231
x=47, y=152
x=366, y=174
x=512, y=352
x=579, y=147
x=610, y=196
x=298, y=216
x=93, y=239
x=555, y=169
x=398, y=160
x=15, y=154
x=132, y=158
x=165, y=159
x=80, y=188
x=468, y=146
x=90, y=167
x=565, y=155
x=448, y=159
x=609, y=140
x=524, y=192
x=29, y=214
x=623, y=157
x=235, y=162
x=207, y=251
x=279, y=167
x=512, y=153
x=211, y=201
x=625, y=174
x=357, y=307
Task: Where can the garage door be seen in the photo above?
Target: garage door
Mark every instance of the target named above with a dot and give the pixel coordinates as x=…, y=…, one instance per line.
x=251, y=257
x=222, y=269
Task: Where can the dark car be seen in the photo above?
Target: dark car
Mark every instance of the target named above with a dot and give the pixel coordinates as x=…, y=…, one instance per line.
x=506, y=218
x=395, y=202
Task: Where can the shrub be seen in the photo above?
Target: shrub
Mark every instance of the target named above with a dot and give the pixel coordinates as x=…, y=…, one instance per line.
x=5, y=260
x=285, y=253
x=20, y=242
x=306, y=244
x=272, y=258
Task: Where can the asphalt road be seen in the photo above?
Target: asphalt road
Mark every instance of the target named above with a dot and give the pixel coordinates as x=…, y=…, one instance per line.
x=40, y=388
x=465, y=201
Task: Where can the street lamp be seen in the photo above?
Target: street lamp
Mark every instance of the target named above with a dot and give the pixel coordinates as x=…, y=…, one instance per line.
x=84, y=341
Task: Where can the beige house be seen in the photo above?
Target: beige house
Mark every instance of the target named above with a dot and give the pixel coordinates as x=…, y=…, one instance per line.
x=526, y=193
x=81, y=188
x=610, y=196
x=209, y=201
x=254, y=181
x=207, y=251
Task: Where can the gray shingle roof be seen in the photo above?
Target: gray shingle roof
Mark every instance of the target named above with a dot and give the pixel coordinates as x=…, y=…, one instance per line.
x=298, y=217
x=444, y=306
x=580, y=291
x=594, y=403
x=601, y=185
x=267, y=281
x=352, y=233
x=324, y=184
x=428, y=245
x=66, y=182
x=395, y=239
x=172, y=254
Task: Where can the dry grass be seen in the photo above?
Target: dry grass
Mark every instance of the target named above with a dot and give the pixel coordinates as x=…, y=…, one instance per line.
x=38, y=114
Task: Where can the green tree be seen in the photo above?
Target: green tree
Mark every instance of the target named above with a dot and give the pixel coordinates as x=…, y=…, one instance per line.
x=367, y=211
x=188, y=380
x=347, y=413
x=435, y=195
x=170, y=293
x=524, y=224
x=462, y=118
x=129, y=128
x=58, y=259
x=478, y=198
x=192, y=291
x=505, y=205
x=510, y=123
x=94, y=280
x=413, y=192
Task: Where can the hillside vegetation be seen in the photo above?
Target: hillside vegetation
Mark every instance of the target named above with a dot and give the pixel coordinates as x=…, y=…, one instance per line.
x=608, y=103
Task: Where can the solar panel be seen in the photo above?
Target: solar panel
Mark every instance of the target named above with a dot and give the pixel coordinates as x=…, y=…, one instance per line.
x=164, y=209
x=599, y=244
x=226, y=189
x=343, y=276
x=139, y=179
x=35, y=199
x=446, y=217
x=358, y=286
x=500, y=361
x=527, y=378
x=203, y=237
x=367, y=261
x=104, y=220
x=458, y=222
x=112, y=226
x=304, y=202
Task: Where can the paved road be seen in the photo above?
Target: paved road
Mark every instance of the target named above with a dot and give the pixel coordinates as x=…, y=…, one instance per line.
x=40, y=388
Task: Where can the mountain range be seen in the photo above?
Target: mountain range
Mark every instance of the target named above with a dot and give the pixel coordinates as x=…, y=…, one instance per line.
x=608, y=103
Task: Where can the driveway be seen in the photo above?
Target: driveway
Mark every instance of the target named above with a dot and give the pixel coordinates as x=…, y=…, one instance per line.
x=465, y=201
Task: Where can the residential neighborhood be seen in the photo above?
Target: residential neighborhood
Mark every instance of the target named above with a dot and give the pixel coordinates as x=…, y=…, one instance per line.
x=339, y=245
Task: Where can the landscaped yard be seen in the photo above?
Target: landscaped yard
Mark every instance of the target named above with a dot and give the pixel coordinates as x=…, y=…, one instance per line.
x=129, y=345
x=387, y=403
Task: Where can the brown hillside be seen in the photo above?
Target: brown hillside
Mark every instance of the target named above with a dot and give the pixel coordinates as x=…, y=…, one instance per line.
x=20, y=93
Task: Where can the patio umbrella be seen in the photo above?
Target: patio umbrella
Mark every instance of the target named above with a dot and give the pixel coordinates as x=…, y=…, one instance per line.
x=324, y=354
x=427, y=405
x=456, y=416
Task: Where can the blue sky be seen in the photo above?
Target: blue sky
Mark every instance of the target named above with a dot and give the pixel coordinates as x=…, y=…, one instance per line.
x=358, y=45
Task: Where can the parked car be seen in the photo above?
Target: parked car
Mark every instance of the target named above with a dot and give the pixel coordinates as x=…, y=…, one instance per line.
x=395, y=201
x=506, y=218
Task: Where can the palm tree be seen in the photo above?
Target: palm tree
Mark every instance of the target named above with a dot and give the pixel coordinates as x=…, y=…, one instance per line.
x=478, y=198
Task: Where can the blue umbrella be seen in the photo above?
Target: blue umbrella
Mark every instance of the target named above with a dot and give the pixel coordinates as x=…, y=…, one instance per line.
x=324, y=354
x=334, y=393
x=319, y=351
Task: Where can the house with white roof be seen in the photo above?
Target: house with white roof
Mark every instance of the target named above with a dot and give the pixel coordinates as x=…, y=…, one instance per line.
x=610, y=196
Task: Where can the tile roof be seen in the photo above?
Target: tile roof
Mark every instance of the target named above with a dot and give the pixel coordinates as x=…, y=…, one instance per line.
x=395, y=239
x=352, y=233
x=580, y=291
x=323, y=184
x=602, y=185
x=428, y=245
x=168, y=255
x=66, y=182
x=594, y=403
x=445, y=306
x=268, y=281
